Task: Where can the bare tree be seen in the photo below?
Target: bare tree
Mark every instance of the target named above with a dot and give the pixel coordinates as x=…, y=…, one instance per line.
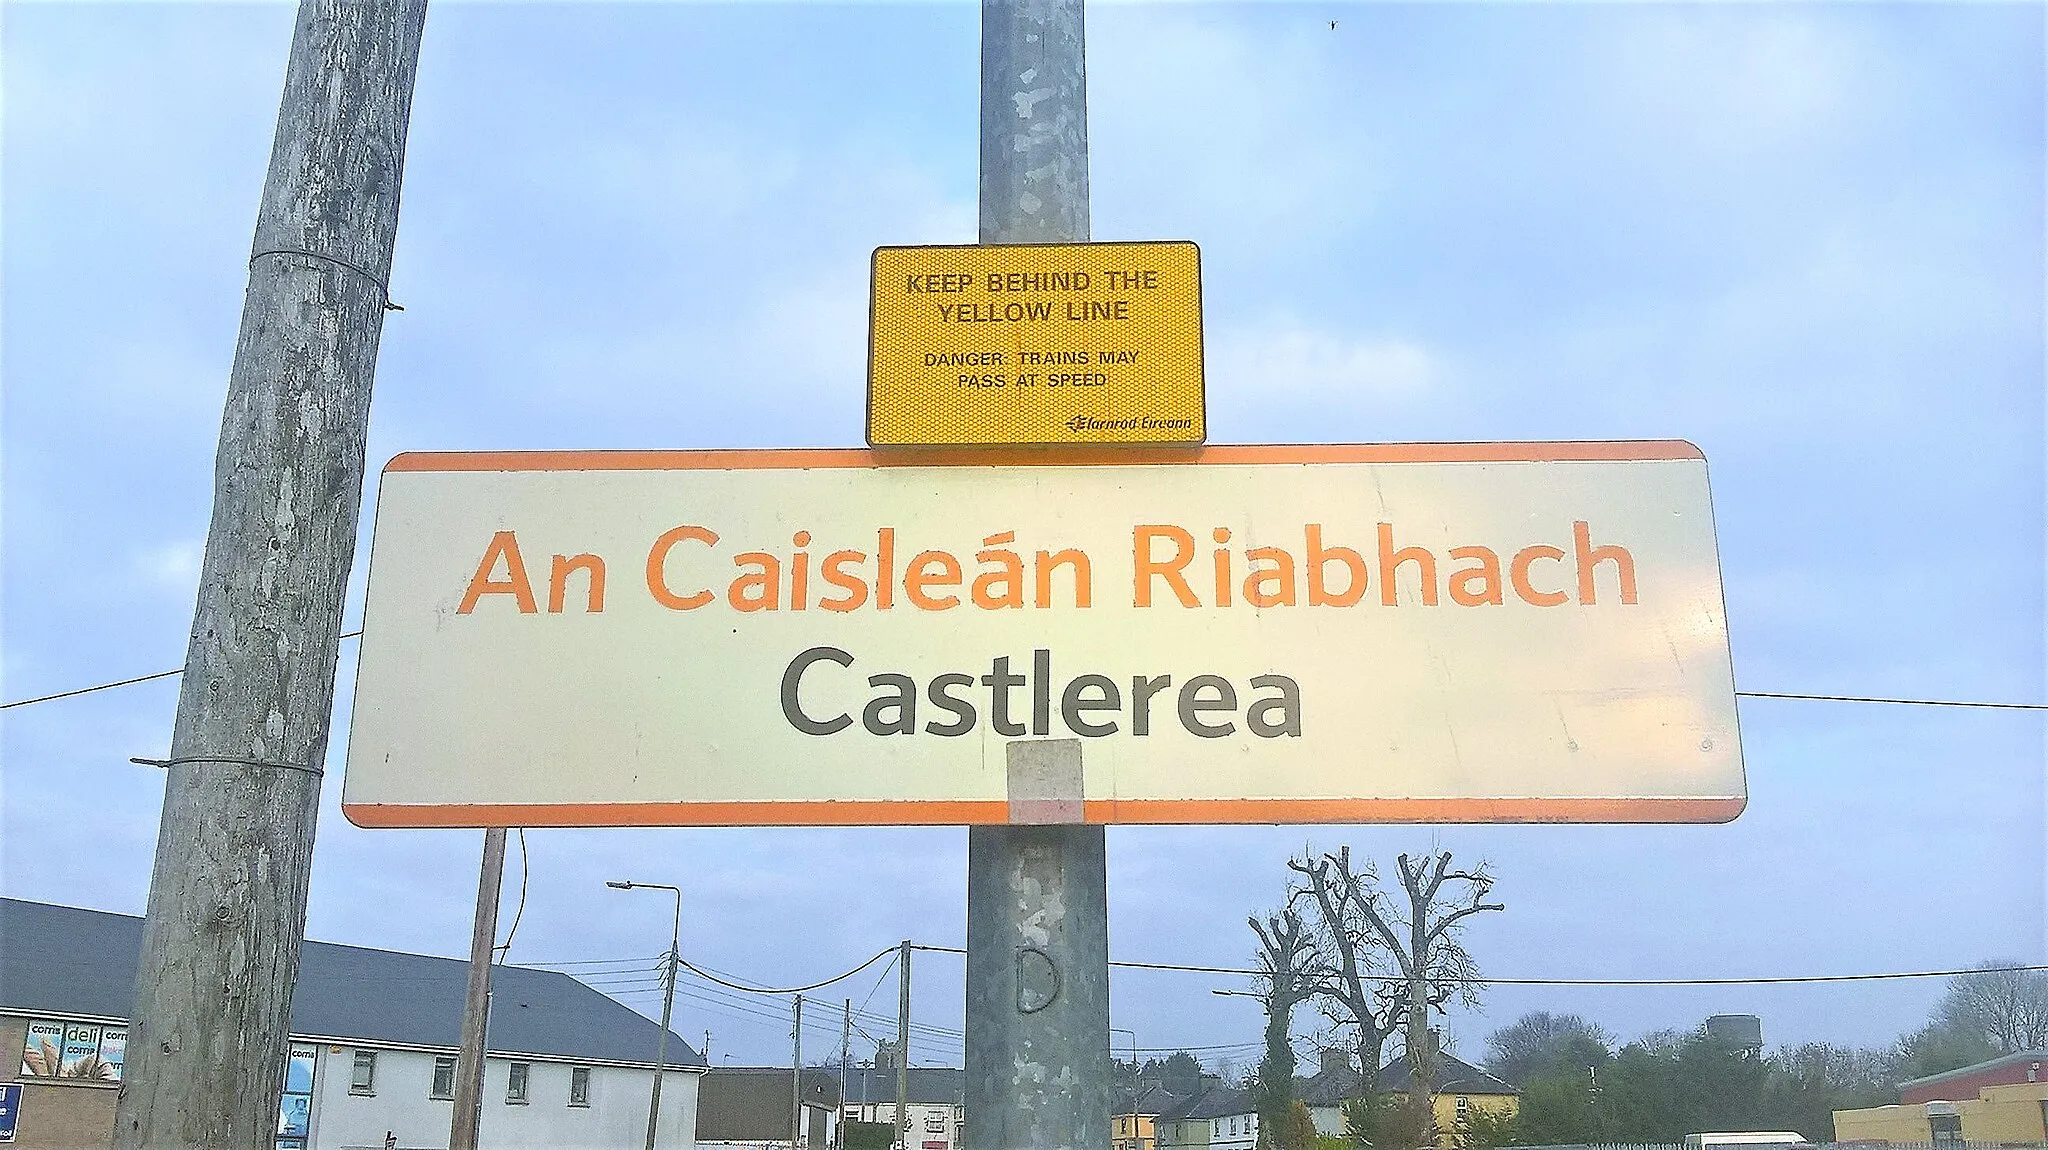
x=1358, y=991
x=2009, y=1007
x=1290, y=972
x=1424, y=940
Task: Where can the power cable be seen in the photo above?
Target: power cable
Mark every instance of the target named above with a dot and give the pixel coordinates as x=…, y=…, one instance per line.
x=709, y=977
x=1900, y=702
x=1740, y=694
x=76, y=691
x=1490, y=981
x=584, y=962
x=513, y=931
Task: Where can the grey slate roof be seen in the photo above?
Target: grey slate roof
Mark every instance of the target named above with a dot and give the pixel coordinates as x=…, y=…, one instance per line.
x=1221, y=1102
x=752, y=1103
x=1332, y=1087
x=69, y=961
x=1453, y=1076
x=1150, y=1098
x=941, y=1085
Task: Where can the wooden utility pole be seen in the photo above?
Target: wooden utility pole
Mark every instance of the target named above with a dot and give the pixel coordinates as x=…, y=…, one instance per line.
x=845, y=1048
x=227, y=896
x=796, y=1075
x=476, y=1008
x=903, y=1045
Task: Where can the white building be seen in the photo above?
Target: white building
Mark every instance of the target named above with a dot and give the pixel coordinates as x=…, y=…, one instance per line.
x=373, y=1041
x=935, y=1105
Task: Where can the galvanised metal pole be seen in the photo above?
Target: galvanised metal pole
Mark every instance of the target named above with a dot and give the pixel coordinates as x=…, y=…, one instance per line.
x=1037, y=910
x=1038, y=1063
x=227, y=895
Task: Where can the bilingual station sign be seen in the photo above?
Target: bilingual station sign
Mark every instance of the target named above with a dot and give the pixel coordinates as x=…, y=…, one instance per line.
x=1377, y=633
x=1036, y=344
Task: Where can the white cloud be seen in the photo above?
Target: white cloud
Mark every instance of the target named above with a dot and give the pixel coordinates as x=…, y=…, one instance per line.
x=170, y=567
x=1289, y=360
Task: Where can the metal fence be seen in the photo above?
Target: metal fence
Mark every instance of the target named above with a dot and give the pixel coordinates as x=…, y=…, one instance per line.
x=1814, y=1145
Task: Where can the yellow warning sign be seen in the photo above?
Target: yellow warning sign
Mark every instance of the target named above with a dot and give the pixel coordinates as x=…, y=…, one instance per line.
x=1036, y=344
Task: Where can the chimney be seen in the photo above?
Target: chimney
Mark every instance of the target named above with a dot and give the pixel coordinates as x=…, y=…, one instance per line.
x=885, y=1058
x=1333, y=1060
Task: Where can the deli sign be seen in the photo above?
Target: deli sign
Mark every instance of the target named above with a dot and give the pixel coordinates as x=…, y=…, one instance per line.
x=1442, y=633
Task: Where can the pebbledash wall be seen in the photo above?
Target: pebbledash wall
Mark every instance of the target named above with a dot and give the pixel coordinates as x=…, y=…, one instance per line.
x=371, y=1057
x=401, y=1103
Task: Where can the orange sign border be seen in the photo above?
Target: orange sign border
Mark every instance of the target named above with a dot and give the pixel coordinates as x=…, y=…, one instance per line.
x=997, y=812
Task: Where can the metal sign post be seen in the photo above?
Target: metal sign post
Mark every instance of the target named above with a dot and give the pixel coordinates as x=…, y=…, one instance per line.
x=1037, y=1062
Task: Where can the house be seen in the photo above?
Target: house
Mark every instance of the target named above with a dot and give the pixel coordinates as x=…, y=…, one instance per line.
x=371, y=1059
x=2002, y=1100
x=1220, y=1118
x=750, y=1108
x=936, y=1105
x=1334, y=1083
x=1134, y=1116
x=1461, y=1090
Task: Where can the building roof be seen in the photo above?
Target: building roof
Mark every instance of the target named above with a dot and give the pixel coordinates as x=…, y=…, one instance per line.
x=1332, y=1086
x=1454, y=1076
x=933, y=1085
x=68, y=961
x=752, y=1103
x=1150, y=1098
x=1971, y=1071
x=1221, y=1102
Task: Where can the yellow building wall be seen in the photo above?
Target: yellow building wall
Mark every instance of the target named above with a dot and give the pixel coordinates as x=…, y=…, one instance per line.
x=1998, y=1114
x=1882, y=1124
x=1132, y=1132
x=2006, y=1114
x=1446, y=1108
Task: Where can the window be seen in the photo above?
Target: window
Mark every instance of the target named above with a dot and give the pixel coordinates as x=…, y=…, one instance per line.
x=71, y=1050
x=444, y=1077
x=362, y=1077
x=579, y=1086
x=295, y=1102
x=515, y=1083
x=1464, y=1108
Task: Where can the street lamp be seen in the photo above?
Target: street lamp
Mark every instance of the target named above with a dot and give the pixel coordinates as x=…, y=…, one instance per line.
x=668, y=994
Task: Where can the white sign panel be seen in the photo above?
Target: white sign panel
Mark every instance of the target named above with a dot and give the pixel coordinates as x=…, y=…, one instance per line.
x=1439, y=633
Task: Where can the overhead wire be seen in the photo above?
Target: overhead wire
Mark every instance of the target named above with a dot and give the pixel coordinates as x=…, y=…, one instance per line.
x=1489, y=980
x=357, y=633
x=709, y=977
x=519, y=912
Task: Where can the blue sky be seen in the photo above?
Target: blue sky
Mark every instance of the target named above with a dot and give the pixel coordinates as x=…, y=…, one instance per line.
x=1807, y=237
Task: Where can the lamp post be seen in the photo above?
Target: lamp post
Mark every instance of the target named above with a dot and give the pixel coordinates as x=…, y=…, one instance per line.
x=1134, y=1043
x=668, y=995
x=1137, y=1089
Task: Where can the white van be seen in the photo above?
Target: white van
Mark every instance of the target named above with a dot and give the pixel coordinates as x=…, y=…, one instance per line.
x=1747, y=1140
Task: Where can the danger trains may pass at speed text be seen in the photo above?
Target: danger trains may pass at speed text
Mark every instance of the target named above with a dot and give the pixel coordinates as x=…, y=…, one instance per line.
x=1036, y=344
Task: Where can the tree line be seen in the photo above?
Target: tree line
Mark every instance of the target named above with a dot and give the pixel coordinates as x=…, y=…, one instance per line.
x=1378, y=959
x=1579, y=1085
